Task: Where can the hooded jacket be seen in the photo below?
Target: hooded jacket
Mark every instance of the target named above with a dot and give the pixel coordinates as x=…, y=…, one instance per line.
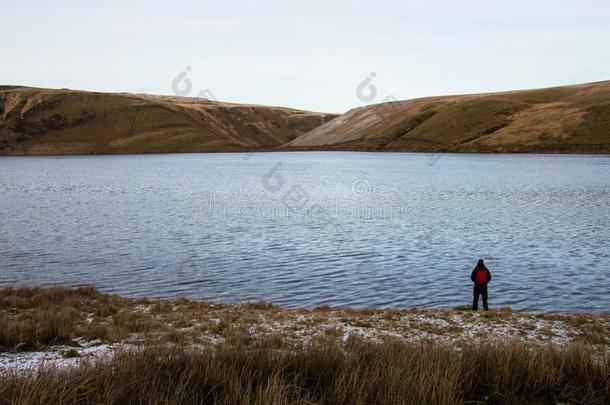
x=480, y=266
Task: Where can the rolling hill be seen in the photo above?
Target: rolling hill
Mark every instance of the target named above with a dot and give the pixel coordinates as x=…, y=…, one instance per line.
x=570, y=119
x=567, y=119
x=37, y=121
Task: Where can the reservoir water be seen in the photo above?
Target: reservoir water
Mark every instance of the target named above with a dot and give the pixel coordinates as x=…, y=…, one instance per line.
x=312, y=228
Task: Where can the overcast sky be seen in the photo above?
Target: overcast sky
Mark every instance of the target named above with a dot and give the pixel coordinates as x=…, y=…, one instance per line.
x=304, y=54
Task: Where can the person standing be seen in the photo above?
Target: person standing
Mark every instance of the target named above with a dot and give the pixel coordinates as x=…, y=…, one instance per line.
x=480, y=277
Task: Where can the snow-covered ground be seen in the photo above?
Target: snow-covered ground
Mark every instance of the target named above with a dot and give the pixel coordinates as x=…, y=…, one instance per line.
x=55, y=357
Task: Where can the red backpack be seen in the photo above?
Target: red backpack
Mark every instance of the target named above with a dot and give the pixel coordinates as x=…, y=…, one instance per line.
x=480, y=277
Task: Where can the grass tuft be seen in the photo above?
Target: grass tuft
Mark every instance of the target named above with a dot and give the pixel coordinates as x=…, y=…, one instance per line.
x=360, y=373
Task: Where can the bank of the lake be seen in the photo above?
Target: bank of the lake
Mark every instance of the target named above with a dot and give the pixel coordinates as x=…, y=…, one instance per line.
x=80, y=323
x=63, y=345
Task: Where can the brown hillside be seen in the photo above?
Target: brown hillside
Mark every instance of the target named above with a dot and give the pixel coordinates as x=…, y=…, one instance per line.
x=45, y=121
x=561, y=119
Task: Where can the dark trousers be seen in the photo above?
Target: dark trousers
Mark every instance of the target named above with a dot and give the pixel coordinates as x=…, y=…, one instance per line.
x=482, y=291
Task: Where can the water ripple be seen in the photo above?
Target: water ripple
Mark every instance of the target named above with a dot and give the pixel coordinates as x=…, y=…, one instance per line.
x=208, y=226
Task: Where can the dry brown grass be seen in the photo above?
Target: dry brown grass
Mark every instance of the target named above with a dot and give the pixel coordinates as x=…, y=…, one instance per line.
x=360, y=373
x=34, y=318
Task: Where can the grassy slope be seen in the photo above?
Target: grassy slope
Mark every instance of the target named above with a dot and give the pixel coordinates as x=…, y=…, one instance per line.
x=45, y=121
x=561, y=119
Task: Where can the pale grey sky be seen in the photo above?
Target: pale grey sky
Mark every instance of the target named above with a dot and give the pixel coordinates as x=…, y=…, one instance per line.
x=304, y=54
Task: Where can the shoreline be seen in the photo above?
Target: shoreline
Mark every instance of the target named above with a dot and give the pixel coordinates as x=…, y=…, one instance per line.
x=55, y=319
x=494, y=307
x=297, y=150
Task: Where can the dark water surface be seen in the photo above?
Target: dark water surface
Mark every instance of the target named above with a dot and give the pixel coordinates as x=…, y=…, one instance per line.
x=302, y=229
